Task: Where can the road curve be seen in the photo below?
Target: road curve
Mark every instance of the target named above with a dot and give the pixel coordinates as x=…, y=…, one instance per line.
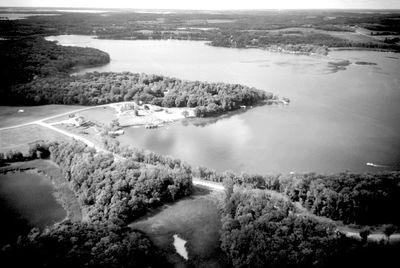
x=66, y=113
x=209, y=184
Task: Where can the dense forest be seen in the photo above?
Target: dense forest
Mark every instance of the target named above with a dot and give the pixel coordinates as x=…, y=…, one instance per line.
x=310, y=40
x=35, y=71
x=366, y=198
x=352, y=198
x=116, y=190
x=262, y=230
x=100, y=88
x=26, y=59
x=260, y=227
x=80, y=244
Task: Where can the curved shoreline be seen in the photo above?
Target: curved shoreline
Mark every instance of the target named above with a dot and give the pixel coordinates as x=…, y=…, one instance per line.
x=61, y=191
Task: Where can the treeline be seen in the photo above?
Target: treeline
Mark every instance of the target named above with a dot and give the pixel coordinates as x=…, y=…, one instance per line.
x=99, y=88
x=143, y=156
x=263, y=230
x=39, y=150
x=112, y=191
x=79, y=244
x=365, y=199
x=117, y=190
x=35, y=71
x=25, y=59
x=244, y=39
x=351, y=198
x=259, y=230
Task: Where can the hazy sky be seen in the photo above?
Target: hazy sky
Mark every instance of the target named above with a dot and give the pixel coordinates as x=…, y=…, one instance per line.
x=209, y=4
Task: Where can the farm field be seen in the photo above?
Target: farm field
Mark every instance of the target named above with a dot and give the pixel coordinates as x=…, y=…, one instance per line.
x=9, y=115
x=20, y=138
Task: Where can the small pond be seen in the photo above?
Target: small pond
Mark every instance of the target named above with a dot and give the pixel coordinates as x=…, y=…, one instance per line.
x=27, y=200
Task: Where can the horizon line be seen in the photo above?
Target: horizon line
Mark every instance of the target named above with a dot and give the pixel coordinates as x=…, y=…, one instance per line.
x=177, y=9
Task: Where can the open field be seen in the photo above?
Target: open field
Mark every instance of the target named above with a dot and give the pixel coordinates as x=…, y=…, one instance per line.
x=195, y=219
x=356, y=36
x=100, y=116
x=97, y=115
x=10, y=116
x=92, y=134
x=19, y=138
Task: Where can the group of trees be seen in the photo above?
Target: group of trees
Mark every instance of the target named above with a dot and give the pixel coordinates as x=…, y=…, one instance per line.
x=112, y=191
x=260, y=229
x=25, y=59
x=365, y=199
x=35, y=71
x=351, y=198
x=144, y=156
x=38, y=150
x=100, y=88
x=79, y=244
x=242, y=39
x=117, y=190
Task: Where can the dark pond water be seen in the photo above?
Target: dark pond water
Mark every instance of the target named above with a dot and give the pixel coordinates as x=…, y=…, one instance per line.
x=29, y=196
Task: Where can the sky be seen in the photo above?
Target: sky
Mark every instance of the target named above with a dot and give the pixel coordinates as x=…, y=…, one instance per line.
x=209, y=4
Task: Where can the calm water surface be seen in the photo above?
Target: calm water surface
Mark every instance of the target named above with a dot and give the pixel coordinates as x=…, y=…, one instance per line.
x=338, y=119
x=20, y=16
x=30, y=196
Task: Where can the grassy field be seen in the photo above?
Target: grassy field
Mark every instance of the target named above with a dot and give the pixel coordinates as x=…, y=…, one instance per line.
x=350, y=36
x=90, y=133
x=19, y=138
x=195, y=219
x=9, y=115
x=99, y=115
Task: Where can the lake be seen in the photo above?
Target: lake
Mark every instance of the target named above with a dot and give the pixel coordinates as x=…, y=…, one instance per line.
x=29, y=195
x=20, y=16
x=341, y=116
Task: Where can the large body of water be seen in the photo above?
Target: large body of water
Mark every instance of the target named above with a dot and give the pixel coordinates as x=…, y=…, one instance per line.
x=338, y=119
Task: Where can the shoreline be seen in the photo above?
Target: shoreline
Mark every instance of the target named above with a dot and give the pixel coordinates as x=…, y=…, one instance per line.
x=363, y=49
x=61, y=191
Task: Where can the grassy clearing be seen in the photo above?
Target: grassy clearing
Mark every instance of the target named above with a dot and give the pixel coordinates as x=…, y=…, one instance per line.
x=63, y=193
x=19, y=138
x=100, y=116
x=196, y=220
x=90, y=133
x=350, y=36
x=9, y=115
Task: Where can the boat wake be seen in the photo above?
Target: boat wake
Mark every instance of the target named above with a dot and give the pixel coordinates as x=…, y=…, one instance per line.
x=376, y=165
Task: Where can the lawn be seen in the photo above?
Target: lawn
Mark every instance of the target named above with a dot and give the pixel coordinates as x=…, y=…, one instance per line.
x=19, y=138
x=97, y=115
x=195, y=219
x=100, y=116
x=9, y=115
